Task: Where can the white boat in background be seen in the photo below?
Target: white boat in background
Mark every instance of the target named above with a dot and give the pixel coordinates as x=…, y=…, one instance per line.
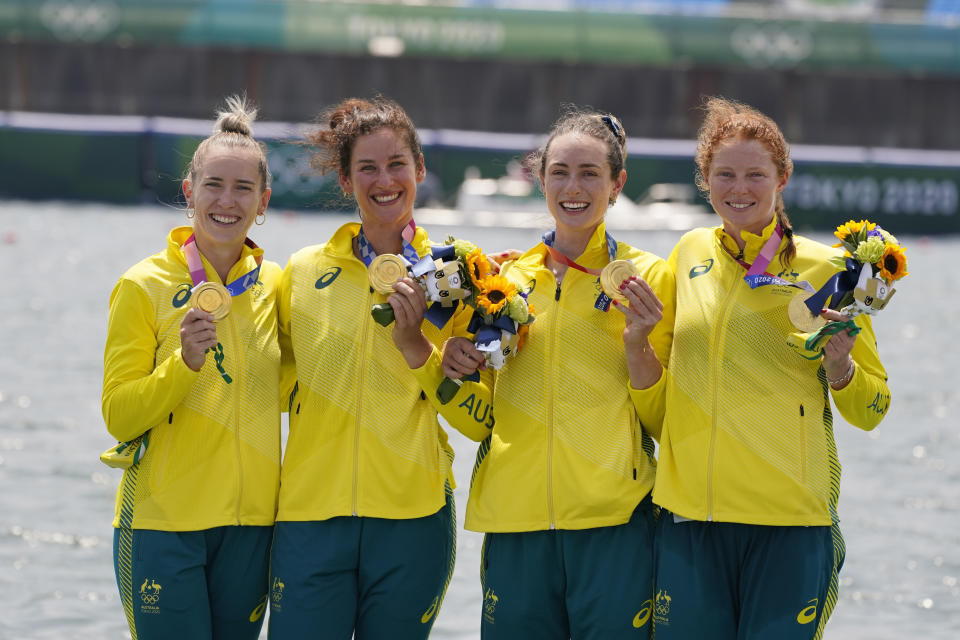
x=669, y=206
x=512, y=201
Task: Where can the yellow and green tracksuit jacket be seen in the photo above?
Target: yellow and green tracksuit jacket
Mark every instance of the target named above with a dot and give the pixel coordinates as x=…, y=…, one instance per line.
x=214, y=436
x=748, y=433
x=571, y=447
x=364, y=436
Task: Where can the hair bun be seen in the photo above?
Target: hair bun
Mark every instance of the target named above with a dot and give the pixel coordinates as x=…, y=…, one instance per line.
x=237, y=118
x=349, y=110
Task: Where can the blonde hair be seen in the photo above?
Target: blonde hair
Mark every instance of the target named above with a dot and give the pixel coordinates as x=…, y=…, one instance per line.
x=233, y=130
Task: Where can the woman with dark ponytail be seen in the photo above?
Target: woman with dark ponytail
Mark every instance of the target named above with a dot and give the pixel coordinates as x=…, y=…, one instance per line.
x=366, y=530
x=748, y=543
x=561, y=488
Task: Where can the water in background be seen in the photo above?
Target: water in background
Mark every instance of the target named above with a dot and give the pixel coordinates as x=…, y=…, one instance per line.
x=900, y=500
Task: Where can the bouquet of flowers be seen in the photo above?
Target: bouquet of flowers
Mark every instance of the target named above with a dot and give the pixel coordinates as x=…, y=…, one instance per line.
x=879, y=261
x=501, y=317
x=458, y=271
x=873, y=260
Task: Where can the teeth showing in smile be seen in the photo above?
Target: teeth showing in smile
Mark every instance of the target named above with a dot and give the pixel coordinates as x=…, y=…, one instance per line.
x=387, y=198
x=574, y=206
x=224, y=219
x=739, y=205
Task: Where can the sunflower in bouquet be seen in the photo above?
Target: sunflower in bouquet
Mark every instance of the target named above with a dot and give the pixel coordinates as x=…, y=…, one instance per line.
x=878, y=261
x=501, y=317
x=873, y=260
x=458, y=271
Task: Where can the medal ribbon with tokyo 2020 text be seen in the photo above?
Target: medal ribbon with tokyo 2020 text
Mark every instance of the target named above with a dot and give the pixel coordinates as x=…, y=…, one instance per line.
x=198, y=275
x=603, y=300
x=757, y=275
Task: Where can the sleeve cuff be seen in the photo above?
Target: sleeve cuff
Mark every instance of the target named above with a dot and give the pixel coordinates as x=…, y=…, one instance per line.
x=650, y=404
x=180, y=370
x=430, y=373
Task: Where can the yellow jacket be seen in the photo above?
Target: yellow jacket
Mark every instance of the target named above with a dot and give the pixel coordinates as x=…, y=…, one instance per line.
x=571, y=446
x=214, y=446
x=748, y=433
x=364, y=436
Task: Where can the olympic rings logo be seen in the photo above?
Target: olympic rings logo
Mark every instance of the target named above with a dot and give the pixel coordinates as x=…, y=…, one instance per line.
x=291, y=172
x=79, y=20
x=772, y=45
x=149, y=598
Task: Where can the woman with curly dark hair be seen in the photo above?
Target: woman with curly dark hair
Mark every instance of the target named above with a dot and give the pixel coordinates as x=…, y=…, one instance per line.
x=366, y=531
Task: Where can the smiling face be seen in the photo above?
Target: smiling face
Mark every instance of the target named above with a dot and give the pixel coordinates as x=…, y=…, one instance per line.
x=744, y=185
x=383, y=178
x=226, y=194
x=577, y=183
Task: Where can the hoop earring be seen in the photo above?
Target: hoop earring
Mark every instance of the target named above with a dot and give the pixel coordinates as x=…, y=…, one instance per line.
x=261, y=217
x=190, y=213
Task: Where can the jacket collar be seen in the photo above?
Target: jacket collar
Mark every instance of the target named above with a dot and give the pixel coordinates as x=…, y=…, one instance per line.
x=178, y=236
x=595, y=255
x=341, y=243
x=754, y=242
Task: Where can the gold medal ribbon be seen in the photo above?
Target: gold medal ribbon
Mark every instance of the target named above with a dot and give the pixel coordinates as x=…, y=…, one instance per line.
x=213, y=297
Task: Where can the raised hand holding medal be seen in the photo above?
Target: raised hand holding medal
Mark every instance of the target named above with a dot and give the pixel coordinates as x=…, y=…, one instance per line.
x=614, y=275
x=384, y=271
x=210, y=296
x=213, y=298
x=438, y=274
x=802, y=317
x=197, y=333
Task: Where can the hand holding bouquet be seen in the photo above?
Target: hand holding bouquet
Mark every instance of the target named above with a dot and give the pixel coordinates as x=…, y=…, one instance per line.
x=873, y=260
x=501, y=317
x=878, y=258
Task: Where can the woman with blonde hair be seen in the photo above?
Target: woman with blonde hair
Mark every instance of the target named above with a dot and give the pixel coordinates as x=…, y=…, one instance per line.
x=190, y=383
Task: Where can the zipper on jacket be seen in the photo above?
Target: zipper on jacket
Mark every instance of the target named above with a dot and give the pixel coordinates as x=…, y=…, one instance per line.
x=236, y=410
x=803, y=447
x=553, y=344
x=715, y=375
x=356, y=433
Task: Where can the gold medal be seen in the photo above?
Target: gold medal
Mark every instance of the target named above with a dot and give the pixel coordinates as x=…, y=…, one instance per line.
x=213, y=298
x=385, y=270
x=613, y=275
x=800, y=315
